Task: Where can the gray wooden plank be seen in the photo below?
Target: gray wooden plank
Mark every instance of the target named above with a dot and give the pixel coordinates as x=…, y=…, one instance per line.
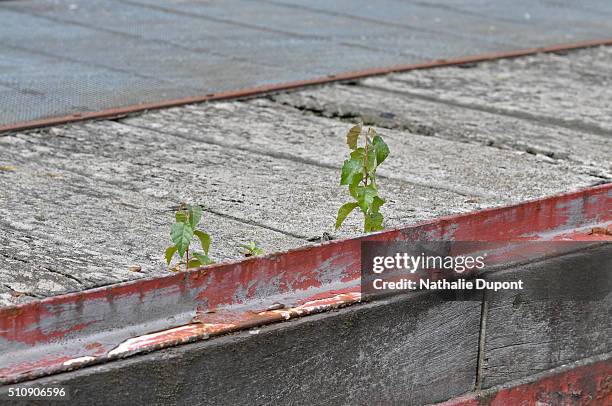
x=37, y=92
x=563, y=315
x=9, y=296
x=267, y=127
x=243, y=184
x=210, y=50
x=593, y=6
x=570, y=90
x=387, y=106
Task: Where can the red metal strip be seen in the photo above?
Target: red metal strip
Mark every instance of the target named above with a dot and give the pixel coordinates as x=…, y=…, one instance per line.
x=64, y=332
x=258, y=90
x=589, y=384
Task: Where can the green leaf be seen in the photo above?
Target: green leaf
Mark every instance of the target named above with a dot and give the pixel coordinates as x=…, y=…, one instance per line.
x=373, y=222
x=381, y=148
x=194, y=263
x=376, y=203
x=353, y=136
x=204, y=260
x=351, y=170
x=252, y=249
x=365, y=196
x=377, y=220
x=353, y=187
x=170, y=253
x=181, y=234
x=343, y=212
x=204, y=240
x=195, y=214
x=358, y=154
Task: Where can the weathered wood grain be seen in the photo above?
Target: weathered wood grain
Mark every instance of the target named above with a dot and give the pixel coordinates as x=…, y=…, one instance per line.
x=250, y=186
x=571, y=90
x=65, y=227
x=562, y=316
x=266, y=127
x=385, y=105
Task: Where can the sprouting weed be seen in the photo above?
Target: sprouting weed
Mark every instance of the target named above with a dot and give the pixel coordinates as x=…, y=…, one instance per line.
x=251, y=249
x=359, y=174
x=182, y=232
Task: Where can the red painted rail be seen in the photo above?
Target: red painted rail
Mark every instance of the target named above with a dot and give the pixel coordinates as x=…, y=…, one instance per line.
x=65, y=332
x=583, y=384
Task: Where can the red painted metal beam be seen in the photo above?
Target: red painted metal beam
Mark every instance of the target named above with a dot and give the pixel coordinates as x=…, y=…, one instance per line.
x=254, y=91
x=589, y=384
x=65, y=332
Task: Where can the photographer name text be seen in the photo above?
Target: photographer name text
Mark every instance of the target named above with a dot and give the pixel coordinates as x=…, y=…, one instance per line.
x=444, y=284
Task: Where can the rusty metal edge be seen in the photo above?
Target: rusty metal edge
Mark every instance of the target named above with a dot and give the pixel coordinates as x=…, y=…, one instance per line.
x=258, y=90
x=587, y=380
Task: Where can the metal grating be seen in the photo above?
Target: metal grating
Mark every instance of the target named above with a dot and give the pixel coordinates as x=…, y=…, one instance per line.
x=63, y=57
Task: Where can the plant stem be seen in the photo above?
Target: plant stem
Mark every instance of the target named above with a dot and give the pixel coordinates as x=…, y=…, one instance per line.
x=365, y=162
x=187, y=263
x=365, y=180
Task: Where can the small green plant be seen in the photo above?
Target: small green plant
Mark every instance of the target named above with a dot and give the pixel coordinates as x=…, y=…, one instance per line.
x=251, y=249
x=182, y=232
x=359, y=174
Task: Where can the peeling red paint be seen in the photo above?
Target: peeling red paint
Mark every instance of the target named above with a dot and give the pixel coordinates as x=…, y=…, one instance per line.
x=212, y=324
x=584, y=385
x=27, y=367
x=20, y=330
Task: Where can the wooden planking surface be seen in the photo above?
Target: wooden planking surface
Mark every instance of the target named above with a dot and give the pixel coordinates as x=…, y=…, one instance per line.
x=387, y=104
x=570, y=90
x=121, y=179
x=267, y=127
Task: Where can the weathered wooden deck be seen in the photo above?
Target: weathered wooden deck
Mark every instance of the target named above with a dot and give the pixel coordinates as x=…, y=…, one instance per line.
x=81, y=203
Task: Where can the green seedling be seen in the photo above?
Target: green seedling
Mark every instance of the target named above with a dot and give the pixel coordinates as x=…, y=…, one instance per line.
x=251, y=249
x=182, y=233
x=359, y=174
